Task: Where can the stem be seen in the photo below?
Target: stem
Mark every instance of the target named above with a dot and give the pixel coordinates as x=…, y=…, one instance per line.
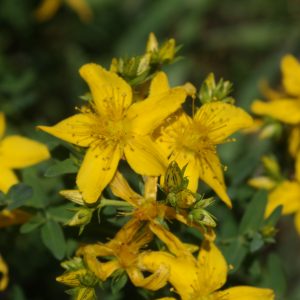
x=112, y=202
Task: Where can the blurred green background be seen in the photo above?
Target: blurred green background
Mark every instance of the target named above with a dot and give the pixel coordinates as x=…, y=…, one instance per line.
x=241, y=41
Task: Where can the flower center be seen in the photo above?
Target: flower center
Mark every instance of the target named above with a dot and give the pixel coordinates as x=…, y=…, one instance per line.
x=195, y=138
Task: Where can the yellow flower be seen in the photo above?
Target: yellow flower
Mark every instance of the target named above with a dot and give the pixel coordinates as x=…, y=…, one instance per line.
x=193, y=141
x=287, y=194
x=114, y=127
x=197, y=279
x=3, y=274
x=48, y=8
x=147, y=208
x=17, y=152
x=286, y=108
x=124, y=250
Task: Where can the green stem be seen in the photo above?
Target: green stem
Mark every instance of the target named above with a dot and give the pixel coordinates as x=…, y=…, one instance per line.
x=112, y=202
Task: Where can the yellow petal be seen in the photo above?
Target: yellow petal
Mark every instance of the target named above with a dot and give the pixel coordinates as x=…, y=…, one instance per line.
x=7, y=179
x=144, y=157
x=153, y=282
x=290, y=68
x=120, y=188
x=14, y=217
x=286, y=194
x=147, y=115
x=192, y=167
x=77, y=129
x=210, y=171
x=262, y=182
x=81, y=8
x=111, y=94
x=4, y=274
x=183, y=273
x=175, y=246
x=297, y=222
x=2, y=125
x=285, y=110
x=47, y=9
x=213, y=266
x=159, y=84
x=97, y=170
x=294, y=141
x=245, y=293
x=222, y=119
x=20, y=152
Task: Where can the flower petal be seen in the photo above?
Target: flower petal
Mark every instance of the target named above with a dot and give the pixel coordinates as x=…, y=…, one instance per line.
x=76, y=129
x=297, y=168
x=148, y=114
x=222, y=119
x=97, y=170
x=144, y=157
x=214, y=268
x=112, y=95
x=192, y=167
x=120, y=188
x=20, y=152
x=285, y=110
x=2, y=125
x=4, y=274
x=210, y=171
x=245, y=293
x=286, y=194
x=7, y=179
x=290, y=68
x=159, y=84
x=294, y=141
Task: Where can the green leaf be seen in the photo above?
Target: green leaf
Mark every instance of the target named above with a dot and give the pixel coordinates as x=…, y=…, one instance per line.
x=62, y=167
x=257, y=242
x=18, y=195
x=53, y=238
x=275, y=277
x=254, y=215
x=119, y=280
x=274, y=217
x=32, y=224
x=235, y=253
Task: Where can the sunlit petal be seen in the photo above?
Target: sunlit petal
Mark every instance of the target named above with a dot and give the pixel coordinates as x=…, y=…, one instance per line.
x=7, y=179
x=244, y=293
x=148, y=114
x=290, y=68
x=159, y=84
x=222, y=119
x=120, y=188
x=111, y=94
x=20, y=152
x=97, y=170
x=144, y=157
x=285, y=110
x=210, y=171
x=76, y=129
x=213, y=266
x=286, y=194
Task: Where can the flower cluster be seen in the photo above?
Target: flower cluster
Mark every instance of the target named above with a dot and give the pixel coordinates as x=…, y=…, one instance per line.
x=282, y=110
x=133, y=119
